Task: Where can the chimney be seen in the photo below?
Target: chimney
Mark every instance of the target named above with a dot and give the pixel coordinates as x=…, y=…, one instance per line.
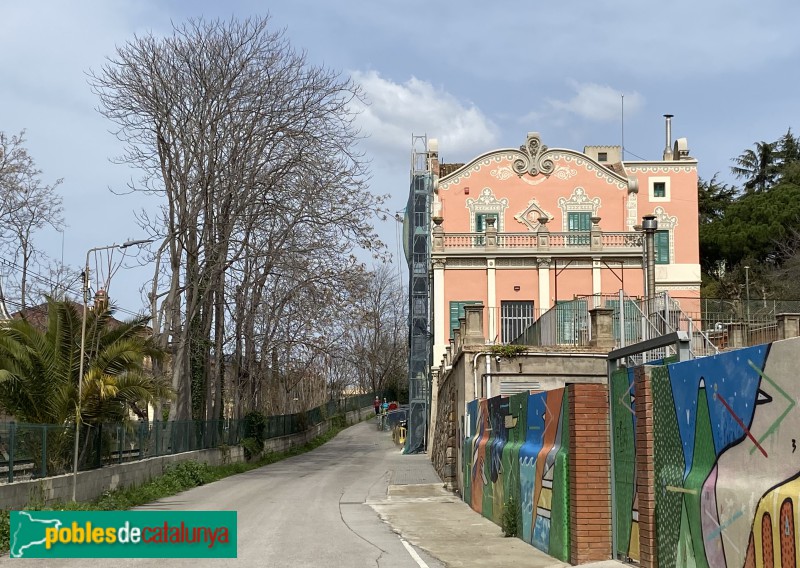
x=101, y=300
x=668, y=154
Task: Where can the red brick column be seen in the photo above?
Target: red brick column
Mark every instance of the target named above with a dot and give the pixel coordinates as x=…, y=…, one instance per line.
x=589, y=473
x=645, y=469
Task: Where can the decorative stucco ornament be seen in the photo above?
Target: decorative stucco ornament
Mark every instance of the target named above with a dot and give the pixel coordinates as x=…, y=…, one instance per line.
x=533, y=161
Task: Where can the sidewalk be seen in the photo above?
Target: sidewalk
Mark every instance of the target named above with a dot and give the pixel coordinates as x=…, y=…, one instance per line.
x=428, y=516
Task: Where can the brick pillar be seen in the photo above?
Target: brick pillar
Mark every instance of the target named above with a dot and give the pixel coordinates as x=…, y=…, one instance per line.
x=589, y=473
x=645, y=469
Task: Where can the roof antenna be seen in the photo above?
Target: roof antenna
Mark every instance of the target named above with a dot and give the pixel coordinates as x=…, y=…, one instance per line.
x=622, y=125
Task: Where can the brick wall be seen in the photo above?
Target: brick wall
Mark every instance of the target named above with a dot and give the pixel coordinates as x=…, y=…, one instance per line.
x=589, y=473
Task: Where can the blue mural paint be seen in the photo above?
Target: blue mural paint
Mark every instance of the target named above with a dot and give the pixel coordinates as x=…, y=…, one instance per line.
x=728, y=375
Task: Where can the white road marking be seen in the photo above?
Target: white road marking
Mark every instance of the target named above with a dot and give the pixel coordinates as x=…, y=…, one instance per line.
x=420, y=562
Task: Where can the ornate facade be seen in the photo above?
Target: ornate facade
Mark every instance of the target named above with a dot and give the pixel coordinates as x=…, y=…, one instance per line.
x=520, y=230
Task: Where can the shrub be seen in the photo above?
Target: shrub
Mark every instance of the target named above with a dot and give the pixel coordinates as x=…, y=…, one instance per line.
x=189, y=473
x=302, y=421
x=254, y=425
x=510, y=519
x=252, y=448
x=510, y=351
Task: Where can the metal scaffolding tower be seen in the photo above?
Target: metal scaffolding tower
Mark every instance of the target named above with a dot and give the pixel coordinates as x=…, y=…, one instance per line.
x=417, y=246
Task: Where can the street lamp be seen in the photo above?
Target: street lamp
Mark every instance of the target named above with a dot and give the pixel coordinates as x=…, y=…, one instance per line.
x=747, y=288
x=85, y=291
x=650, y=226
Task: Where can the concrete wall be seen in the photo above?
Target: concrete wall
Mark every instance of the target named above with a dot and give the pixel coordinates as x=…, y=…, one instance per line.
x=721, y=435
x=93, y=483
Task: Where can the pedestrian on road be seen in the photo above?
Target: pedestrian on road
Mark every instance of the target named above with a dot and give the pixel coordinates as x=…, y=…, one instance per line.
x=377, y=405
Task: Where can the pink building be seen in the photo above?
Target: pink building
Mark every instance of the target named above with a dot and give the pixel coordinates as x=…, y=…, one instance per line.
x=521, y=230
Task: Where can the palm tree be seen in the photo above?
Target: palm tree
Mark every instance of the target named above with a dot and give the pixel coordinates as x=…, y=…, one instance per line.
x=39, y=368
x=759, y=168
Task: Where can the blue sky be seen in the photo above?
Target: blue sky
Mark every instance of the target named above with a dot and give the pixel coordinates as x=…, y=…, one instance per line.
x=475, y=75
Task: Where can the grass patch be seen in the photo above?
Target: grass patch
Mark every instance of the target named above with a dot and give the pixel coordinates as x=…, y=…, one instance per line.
x=176, y=478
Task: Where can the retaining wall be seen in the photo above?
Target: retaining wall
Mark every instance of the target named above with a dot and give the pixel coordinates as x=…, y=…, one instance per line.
x=707, y=467
x=517, y=450
x=443, y=451
x=93, y=483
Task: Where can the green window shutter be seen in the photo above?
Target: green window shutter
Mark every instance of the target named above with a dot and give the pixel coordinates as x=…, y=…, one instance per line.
x=480, y=221
x=457, y=311
x=579, y=221
x=662, y=247
x=659, y=189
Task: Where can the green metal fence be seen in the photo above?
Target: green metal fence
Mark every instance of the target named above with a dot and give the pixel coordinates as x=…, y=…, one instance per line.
x=30, y=451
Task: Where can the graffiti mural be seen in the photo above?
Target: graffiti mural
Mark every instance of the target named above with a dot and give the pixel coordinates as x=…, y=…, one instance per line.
x=518, y=450
x=623, y=429
x=725, y=455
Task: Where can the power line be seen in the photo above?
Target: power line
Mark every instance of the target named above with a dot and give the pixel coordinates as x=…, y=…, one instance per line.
x=635, y=156
x=55, y=285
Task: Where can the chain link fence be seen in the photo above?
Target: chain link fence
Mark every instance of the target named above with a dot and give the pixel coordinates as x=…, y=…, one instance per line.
x=29, y=451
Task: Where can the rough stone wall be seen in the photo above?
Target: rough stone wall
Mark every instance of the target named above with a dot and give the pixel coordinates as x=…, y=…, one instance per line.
x=444, y=439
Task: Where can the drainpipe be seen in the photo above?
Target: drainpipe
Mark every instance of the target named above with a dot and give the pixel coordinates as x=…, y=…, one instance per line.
x=475, y=370
x=650, y=226
x=488, y=378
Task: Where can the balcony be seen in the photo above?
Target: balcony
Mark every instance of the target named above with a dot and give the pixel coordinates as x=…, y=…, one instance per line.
x=623, y=243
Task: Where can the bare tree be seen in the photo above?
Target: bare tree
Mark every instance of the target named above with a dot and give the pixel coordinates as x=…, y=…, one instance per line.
x=27, y=205
x=376, y=339
x=254, y=151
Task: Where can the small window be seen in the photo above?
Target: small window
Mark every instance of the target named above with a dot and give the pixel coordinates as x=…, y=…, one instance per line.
x=480, y=221
x=659, y=189
x=580, y=221
x=661, y=247
x=602, y=156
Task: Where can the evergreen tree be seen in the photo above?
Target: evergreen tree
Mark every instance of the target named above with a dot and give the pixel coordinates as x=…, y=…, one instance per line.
x=759, y=168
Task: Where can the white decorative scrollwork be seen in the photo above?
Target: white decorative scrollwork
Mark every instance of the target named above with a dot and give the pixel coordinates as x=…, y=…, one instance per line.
x=578, y=201
x=502, y=173
x=487, y=203
x=532, y=161
x=565, y=173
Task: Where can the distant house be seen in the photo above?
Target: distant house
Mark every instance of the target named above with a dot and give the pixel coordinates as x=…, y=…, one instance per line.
x=37, y=317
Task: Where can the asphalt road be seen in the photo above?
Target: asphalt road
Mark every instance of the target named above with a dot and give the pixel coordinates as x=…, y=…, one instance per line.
x=305, y=511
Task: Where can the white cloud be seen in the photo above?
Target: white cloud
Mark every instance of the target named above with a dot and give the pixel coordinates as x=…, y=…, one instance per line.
x=600, y=103
x=395, y=111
